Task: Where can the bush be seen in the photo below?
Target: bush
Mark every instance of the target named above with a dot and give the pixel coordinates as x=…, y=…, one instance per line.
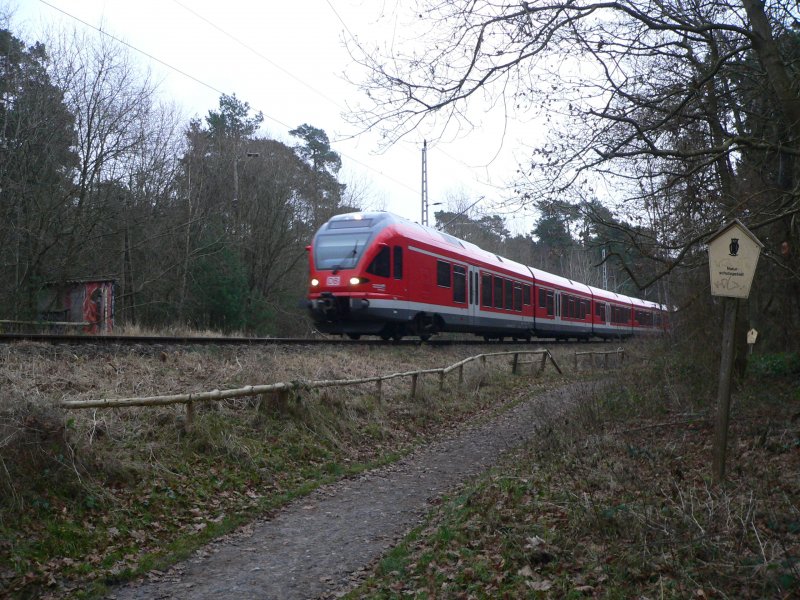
x=779, y=364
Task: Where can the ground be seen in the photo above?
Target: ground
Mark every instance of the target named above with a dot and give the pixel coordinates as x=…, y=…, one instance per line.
x=321, y=545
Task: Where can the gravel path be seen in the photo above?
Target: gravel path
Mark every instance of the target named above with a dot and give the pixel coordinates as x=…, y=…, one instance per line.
x=319, y=545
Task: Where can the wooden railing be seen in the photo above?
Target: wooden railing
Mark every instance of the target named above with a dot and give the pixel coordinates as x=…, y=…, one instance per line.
x=279, y=392
x=605, y=354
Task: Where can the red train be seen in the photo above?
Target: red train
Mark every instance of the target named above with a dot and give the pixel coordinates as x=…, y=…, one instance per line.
x=380, y=274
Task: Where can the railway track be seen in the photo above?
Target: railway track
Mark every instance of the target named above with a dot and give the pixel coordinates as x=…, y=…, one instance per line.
x=126, y=340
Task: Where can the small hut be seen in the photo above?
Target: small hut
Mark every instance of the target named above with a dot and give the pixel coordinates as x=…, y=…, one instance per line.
x=84, y=303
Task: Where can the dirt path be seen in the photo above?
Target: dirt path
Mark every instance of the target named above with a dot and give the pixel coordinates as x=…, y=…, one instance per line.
x=318, y=546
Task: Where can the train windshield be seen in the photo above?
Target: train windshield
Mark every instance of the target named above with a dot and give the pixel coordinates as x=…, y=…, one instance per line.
x=339, y=251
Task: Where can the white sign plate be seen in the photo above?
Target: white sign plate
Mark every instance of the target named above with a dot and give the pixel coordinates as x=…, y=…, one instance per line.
x=732, y=257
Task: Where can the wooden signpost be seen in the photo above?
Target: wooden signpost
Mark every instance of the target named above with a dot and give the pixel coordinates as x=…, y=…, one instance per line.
x=732, y=258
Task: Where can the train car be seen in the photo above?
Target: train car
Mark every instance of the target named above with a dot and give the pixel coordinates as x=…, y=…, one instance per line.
x=374, y=273
x=647, y=316
x=563, y=307
x=611, y=314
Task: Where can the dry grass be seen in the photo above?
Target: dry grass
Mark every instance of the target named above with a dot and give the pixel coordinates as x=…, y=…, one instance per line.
x=616, y=501
x=92, y=497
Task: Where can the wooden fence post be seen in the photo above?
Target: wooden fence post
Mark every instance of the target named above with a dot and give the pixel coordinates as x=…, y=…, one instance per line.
x=576, y=361
x=414, y=378
x=515, y=364
x=441, y=380
x=461, y=375
x=605, y=361
x=379, y=390
x=189, y=424
x=542, y=363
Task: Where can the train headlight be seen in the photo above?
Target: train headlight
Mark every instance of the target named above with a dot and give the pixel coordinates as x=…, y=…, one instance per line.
x=355, y=280
x=314, y=282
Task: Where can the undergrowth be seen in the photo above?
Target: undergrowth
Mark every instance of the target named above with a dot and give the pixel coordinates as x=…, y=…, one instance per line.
x=93, y=498
x=617, y=501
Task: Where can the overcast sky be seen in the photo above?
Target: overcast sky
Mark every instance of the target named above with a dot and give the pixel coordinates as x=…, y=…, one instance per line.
x=287, y=59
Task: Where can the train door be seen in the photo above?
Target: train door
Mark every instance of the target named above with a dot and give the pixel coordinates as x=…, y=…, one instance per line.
x=557, y=315
x=474, y=295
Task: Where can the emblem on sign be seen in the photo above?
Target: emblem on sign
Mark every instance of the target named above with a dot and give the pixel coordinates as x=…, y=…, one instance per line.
x=734, y=246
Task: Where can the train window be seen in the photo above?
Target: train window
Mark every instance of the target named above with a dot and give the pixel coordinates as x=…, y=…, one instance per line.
x=349, y=223
x=498, y=292
x=547, y=301
x=600, y=311
x=459, y=284
x=339, y=251
x=644, y=318
x=517, y=297
x=442, y=273
x=380, y=265
x=398, y=262
x=526, y=295
x=486, y=290
x=620, y=315
x=509, y=295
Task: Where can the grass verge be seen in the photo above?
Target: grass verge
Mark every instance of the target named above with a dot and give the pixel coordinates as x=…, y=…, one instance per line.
x=94, y=498
x=616, y=501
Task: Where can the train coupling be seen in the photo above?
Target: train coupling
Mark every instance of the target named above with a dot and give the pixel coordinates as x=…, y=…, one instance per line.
x=333, y=307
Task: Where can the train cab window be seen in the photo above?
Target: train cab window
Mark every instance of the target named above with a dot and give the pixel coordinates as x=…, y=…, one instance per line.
x=486, y=290
x=459, y=284
x=498, y=292
x=442, y=273
x=517, y=297
x=380, y=265
x=526, y=295
x=398, y=262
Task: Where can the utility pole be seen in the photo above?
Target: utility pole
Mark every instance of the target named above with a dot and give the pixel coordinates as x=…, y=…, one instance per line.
x=424, y=220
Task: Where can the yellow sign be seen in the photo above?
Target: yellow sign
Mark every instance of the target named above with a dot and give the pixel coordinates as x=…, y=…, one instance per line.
x=732, y=257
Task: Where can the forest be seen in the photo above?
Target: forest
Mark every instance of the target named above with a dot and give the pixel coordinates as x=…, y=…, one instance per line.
x=204, y=222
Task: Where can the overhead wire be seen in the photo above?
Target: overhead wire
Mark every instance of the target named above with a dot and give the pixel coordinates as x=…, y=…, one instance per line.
x=273, y=64
x=214, y=88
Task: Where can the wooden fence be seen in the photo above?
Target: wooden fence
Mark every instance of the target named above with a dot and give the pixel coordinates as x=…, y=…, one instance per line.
x=618, y=352
x=279, y=392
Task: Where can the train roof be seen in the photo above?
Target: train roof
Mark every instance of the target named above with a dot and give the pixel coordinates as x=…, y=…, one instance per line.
x=557, y=280
x=377, y=221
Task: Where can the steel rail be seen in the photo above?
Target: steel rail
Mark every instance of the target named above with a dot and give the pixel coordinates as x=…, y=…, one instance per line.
x=253, y=341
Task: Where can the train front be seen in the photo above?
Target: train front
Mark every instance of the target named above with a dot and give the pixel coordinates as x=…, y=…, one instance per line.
x=351, y=287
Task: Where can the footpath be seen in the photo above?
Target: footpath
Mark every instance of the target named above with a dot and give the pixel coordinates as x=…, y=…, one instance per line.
x=322, y=545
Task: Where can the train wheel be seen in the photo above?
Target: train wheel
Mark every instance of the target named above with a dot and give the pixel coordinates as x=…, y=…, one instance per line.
x=354, y=336
x=397, y=336
x=425, y=337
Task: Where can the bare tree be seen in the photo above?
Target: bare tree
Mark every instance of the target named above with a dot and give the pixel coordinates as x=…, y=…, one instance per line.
x=644, y=91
